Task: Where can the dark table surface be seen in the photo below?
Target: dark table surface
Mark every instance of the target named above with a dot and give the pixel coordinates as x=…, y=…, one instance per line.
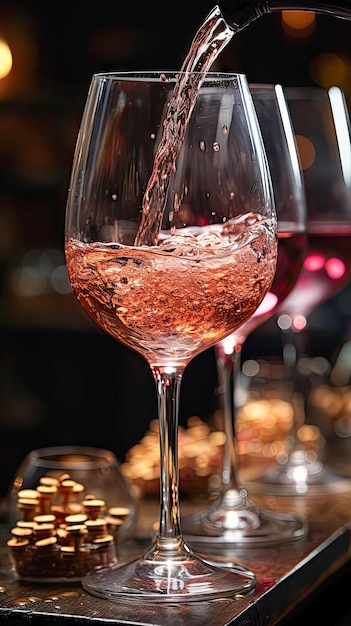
x=330, y=600
x=293, y=579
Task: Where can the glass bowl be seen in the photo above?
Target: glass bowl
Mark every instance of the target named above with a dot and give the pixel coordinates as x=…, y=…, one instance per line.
x=69, y=507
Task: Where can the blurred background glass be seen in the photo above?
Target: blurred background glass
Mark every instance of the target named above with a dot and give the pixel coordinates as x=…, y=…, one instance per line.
x=47, y=56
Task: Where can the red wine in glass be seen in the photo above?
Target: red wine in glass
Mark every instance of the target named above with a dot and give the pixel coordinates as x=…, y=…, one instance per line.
x=322, y=127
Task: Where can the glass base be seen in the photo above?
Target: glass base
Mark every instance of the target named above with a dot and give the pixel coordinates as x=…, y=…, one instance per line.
x=233, y=520
x=299, y=475
x=184, y=578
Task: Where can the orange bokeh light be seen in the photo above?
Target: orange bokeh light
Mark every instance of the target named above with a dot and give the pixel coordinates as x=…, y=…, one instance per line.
x=328, y=69
x=298, y=19
x=298, y=24
x=306, y=150
x=5, y=59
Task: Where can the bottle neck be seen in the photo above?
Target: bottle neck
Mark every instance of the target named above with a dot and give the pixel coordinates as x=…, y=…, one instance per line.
x=240, y=13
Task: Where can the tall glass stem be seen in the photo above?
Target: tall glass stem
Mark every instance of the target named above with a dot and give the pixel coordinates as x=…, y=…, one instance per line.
x=293, y=345
x=168, y=395
x=228, y=368
x=231, y=496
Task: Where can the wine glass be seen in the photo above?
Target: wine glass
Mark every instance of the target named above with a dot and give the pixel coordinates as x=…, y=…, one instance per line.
x=321, y=123
x=232, y=518
x=171, y=244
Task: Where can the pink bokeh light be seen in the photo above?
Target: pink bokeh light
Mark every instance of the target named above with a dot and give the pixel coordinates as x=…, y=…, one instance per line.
x=268, y=303
x=314, y=262
x=299, y=323
x=335, y=268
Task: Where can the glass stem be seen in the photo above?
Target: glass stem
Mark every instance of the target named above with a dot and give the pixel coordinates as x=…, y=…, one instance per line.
x=228, y=368
x=293, y=344
x=168, y=383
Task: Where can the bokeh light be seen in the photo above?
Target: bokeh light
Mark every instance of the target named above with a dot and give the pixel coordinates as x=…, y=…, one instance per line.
x=268, y=303
x=328, y=69
x=335, y=268
x=314, y=262
x=299, y=322
x=298, y=24
x=306, y=150
x=5, y=59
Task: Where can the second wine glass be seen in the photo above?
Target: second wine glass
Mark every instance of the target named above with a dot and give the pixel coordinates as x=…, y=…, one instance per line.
x=232, y=518
x=322, y=126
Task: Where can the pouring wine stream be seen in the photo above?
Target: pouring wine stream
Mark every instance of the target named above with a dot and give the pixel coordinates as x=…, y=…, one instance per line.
x=225, y=19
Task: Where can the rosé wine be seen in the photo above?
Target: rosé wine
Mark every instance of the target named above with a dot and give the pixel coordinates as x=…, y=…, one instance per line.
x=291, y=254
x=169, y=302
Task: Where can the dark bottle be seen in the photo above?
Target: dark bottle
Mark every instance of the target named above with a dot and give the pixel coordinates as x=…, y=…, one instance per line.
x=240, y=13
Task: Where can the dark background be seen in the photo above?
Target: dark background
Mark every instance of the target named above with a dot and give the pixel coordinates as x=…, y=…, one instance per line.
x=62, y=381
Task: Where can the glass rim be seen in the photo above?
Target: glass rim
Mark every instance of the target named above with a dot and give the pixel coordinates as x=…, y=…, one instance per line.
x=156, y=75
x=71, y=457
x=269, y=86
